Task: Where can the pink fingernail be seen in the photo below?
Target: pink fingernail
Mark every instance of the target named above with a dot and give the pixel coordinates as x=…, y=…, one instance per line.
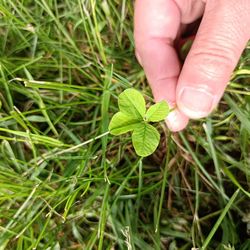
x=176, y=121
x=195, y=102
x=138, y=57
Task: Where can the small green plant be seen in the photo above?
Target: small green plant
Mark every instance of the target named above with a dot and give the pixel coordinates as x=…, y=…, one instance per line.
x=133, y=117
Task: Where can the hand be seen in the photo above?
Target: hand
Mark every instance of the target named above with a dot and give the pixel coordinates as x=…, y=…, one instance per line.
x=196, y=88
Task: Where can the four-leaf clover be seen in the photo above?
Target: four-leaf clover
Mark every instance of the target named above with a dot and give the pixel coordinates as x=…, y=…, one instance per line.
x=133, y=117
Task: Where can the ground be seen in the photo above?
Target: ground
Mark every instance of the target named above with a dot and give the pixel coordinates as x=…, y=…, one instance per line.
x=67, y=184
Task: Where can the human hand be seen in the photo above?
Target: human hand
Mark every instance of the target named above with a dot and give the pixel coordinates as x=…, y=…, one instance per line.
x=197, y=87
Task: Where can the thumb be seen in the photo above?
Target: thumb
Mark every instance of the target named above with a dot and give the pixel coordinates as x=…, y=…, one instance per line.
x=221, y=38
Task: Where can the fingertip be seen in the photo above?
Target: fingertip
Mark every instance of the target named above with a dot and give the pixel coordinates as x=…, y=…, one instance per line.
x=176, y=121
x=138, y=57
x=165, y=89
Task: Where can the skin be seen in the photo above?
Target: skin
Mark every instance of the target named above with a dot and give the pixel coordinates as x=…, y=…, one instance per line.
x=195, y=88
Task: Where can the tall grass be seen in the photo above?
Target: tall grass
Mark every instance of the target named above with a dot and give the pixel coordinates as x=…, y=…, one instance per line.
x=67, y=184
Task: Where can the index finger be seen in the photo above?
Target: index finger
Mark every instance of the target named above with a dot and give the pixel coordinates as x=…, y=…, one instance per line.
x=156, y=26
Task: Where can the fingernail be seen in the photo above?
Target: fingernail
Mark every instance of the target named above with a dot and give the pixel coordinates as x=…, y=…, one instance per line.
x=138, y=57
x=176, y=121
x=195, y=102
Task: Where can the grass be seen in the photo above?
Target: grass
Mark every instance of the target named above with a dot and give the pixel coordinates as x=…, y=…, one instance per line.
x=67, y=184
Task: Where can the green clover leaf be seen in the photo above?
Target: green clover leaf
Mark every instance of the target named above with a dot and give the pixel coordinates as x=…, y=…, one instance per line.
x=133, y=117
x=157, y=112
x=122, y=123
x=145, y=139
x=132, y=103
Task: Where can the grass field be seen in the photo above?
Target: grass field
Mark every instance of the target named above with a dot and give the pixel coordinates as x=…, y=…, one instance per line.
x=67, y=184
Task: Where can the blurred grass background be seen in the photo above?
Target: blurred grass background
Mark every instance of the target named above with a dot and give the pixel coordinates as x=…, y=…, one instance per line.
x=66, y=184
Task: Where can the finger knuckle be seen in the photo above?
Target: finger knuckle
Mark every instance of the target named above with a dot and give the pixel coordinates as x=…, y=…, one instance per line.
x=213, y=62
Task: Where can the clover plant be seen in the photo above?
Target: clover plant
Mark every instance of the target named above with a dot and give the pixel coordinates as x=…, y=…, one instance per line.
x=133, y=117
